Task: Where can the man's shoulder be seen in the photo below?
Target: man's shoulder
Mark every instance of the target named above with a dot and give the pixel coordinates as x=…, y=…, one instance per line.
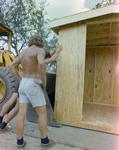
x=41, y=50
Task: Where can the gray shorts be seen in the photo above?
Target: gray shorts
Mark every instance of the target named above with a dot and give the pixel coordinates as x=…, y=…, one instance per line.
x=31, y=92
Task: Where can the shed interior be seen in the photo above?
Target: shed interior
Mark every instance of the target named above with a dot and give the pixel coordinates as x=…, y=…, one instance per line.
x=101, y=93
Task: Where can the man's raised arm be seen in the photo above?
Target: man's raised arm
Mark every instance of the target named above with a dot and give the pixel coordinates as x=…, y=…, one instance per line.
x=41, y=67
x=55, y=55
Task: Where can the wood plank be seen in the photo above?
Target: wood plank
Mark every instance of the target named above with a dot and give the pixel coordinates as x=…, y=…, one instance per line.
x=97, y=27
x=70, y=74
x=103, y=19
x=103, y=76
x=89, y=75
x=115, y=30
x=114, y=41
x=101, y=104
x=99, y=42
x=103, y=116
x=108, y=46
x=115, y=24
x=97, y=36
x=110, y=32
x=115, y=86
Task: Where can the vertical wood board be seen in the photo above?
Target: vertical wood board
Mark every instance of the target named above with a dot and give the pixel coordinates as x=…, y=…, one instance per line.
x=70, y=74
x=115, y=86
x=103, y=75
x=89, y=75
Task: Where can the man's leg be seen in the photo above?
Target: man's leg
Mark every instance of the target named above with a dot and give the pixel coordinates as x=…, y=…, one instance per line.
x=7, y=106
x=4, y=127
x=23, y=107
x=42, y=123
x=12, y=113
x=42, y=120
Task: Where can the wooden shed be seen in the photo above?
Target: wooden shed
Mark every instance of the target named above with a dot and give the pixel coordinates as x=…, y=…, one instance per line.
x=87, y=94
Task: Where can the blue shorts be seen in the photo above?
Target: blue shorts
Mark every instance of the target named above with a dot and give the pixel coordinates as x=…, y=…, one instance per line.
x=31, y=92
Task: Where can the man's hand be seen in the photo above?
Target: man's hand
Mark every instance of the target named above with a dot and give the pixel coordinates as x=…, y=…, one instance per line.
x=43, y=85
x=59, y=47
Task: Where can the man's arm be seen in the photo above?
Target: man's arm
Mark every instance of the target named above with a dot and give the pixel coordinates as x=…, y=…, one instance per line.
x=41, y=67
x=51, y=59
x=52, y=52
x=13, y=67
x=57, y=51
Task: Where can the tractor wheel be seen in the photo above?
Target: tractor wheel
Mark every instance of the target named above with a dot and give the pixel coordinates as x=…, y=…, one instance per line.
x=8, y=85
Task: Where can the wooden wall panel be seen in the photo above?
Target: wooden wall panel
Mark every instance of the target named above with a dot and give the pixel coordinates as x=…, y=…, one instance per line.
x=89, y=75
x=115, y=86
x=103, y=75
x=70, y=74
x=103, y=19
x=100, y=82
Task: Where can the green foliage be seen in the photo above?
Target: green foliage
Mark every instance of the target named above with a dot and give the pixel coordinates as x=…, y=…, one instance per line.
x=97, y=5
x=109, y=2
x=25, y=19
x=104, y=3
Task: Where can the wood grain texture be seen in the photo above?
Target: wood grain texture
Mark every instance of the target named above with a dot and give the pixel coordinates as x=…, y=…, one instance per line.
x=103, y=76
x=70, y=74
x=89, y=75
x=100, y=115
x=87, y=94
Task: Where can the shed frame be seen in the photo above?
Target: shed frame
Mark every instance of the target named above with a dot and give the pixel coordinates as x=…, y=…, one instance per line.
x=87, y=93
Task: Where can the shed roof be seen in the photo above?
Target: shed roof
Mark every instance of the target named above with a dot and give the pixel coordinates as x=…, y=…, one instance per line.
x=4, y=31
x=84, y=15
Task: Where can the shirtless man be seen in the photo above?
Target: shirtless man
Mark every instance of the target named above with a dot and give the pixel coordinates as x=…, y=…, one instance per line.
x=4, y=127
x=31, y=89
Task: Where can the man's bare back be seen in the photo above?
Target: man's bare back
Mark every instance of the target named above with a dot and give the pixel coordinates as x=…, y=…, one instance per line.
x=32, y=61
x=29, y=59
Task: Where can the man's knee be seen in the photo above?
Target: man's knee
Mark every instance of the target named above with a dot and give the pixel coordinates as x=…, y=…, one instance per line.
x=41, y=110
x=23, y=109
x=22, y=113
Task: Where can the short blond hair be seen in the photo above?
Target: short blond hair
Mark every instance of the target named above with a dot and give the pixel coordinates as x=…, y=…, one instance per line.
x=36, y=40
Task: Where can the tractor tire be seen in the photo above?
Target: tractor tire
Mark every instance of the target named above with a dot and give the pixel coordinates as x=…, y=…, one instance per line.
x=8, y=85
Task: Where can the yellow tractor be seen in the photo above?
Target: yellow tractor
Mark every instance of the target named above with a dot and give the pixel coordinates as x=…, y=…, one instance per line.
x=9, y=84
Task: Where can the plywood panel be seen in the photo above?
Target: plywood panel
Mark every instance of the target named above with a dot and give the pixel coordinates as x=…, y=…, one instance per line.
x=100, y=81
x=98, y=34
x=99, y=115
x=115, y=86
x=103, y=19
x=89, y=75
x=97, y=27
x=70, y=74
x=98, y=42
x=103, y=76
